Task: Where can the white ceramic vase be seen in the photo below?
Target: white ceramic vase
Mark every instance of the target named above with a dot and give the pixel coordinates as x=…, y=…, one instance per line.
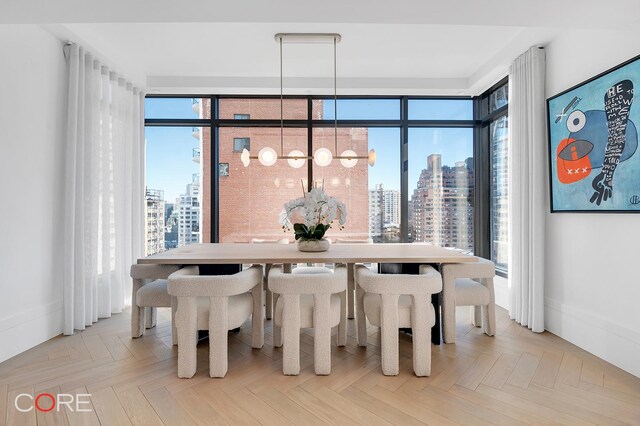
x=313, y=245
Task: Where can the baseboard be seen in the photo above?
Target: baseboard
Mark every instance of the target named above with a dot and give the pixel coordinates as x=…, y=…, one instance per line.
x=27, y=329
x=616, y=344
x=501, y=291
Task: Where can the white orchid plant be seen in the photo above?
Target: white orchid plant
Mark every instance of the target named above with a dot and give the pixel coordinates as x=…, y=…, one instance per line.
x=312, y=215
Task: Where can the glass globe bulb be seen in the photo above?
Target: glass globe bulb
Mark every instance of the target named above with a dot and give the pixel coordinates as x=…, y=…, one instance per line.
x=348, y=162
x=267, y=156
x=296, y=163
x=244, y=157
x=371, y=158
x=322, y=157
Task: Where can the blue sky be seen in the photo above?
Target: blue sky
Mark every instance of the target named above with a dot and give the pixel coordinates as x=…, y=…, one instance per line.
x=169, y=149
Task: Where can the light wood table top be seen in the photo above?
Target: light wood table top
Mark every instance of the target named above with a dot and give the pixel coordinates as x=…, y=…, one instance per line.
x=229, y=253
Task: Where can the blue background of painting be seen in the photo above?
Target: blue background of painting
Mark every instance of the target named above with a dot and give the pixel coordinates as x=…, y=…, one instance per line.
x=626, y=180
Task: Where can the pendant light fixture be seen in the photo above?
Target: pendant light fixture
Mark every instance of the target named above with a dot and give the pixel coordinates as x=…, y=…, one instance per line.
x=322, y=156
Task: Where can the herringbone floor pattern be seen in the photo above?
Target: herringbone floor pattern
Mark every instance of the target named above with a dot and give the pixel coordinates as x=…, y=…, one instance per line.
x=517, y=377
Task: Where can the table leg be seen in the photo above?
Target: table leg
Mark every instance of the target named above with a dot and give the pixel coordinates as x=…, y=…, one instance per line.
x=435, y=330
x=350, y=289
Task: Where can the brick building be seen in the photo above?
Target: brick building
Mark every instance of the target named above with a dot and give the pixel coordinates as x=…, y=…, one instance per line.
x=251, y=198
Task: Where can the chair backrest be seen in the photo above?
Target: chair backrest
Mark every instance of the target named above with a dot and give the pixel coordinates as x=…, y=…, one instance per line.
x=483, y=268
x=327, y=283
x=153, y=272
x=187, y=283
x=428, y=281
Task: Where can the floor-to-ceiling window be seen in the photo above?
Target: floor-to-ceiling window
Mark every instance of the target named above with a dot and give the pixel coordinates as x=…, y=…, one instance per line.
x=441, y=174
x=495, y=134
x=421, y=188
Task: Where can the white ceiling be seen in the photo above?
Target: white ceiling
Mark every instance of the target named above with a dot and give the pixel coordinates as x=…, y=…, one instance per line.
x=401, y=47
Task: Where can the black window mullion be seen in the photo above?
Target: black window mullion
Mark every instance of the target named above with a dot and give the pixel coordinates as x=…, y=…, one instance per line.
x=177, y=122
x=309, y=142
x=215, y=175
x=404, y=170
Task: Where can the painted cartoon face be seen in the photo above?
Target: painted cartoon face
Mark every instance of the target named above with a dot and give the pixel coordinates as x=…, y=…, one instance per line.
x=584, y=149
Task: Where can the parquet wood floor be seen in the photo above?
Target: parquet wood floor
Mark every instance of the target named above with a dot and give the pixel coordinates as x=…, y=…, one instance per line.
x=516, y=377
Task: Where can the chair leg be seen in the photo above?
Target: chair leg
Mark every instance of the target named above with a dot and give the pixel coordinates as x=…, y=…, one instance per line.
x=174, y=329
x=137, y=313
x=151, y=317
x=350, y=289
x=277, y=331
x=476, y=315
x=218, y=330
x=269, y=295
x=291, y=334
x=389, y=334
x=420, y=324
x=361, y=320
x=322, y=334
x=257, y=320
x=489, y=319
x=342, y=326
x=186, y=321
x=448, y=307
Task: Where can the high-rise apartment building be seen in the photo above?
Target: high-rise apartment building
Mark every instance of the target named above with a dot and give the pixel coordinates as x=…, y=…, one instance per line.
x=188, y=208
x=376, y=209
x=391, y=210
x=171, y=220
x=442, y=204
x=155, y=221
x=384, y=213
x=499, y=192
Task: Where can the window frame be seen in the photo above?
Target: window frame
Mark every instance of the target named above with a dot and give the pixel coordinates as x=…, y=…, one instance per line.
x=486, y=117
x=403, y=123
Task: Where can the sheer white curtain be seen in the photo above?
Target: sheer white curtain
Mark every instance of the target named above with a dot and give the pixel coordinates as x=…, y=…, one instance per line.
x=527, y=188
x=104, y=199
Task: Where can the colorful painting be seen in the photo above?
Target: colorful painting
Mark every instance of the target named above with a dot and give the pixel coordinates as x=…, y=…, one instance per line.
x=593, y=139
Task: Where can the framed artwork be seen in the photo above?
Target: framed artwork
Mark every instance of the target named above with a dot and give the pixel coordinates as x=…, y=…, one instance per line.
x=223, y=169
x=593, y=139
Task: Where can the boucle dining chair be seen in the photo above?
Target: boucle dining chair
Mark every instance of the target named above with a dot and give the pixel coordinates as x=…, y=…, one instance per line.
x=306, y=301
x=393, y=301
x=468, y=284
x=217, y=303
x=268, y=310
x=149, y=291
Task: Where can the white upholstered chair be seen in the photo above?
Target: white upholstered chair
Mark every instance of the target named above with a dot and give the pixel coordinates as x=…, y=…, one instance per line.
x=149, y=291
x=468, y=284
x=393, y=301
x=217, y=303
x=268, y=295
x=305, y=301
x=342, y=327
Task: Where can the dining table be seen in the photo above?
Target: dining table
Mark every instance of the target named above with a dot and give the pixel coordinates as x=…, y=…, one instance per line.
x=350, y=254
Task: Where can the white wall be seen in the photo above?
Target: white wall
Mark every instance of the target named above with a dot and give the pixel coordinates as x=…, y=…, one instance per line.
x=593, y=260
x=32, y=111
